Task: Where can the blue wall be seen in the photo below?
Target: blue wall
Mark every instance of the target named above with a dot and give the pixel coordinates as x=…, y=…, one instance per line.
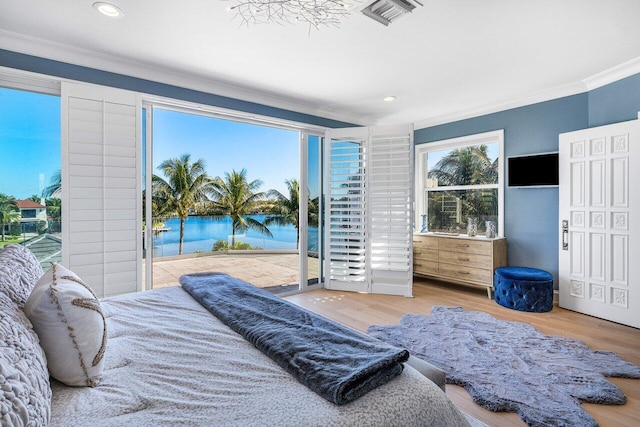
x=615, y=102
x=531, y=214
x=53, y=68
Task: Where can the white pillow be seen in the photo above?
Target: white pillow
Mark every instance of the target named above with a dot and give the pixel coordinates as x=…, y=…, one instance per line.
x=66, y=315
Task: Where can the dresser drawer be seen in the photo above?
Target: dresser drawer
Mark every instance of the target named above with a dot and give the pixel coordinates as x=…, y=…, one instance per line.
x=466, y=246
x=425, y=267
x=466, y=274
x=465, y=259
x=425, y=242
x=425, y=254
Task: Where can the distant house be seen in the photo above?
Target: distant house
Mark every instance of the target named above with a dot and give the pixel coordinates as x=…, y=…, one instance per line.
x=31, y=213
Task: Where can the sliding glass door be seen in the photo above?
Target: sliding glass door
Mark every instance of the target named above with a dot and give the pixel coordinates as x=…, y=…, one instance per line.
x=231, y=195
x=30, y=191
x=311, y=170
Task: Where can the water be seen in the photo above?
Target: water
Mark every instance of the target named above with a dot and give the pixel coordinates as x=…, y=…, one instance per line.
x=200, y=233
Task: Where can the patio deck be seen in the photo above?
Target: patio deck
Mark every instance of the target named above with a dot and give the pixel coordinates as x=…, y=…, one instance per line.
x=264, y=270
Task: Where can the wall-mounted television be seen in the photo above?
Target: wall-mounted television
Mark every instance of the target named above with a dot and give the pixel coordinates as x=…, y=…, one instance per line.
x=533, y=170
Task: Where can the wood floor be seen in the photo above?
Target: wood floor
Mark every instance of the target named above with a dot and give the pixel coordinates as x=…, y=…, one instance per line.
x=361, y=310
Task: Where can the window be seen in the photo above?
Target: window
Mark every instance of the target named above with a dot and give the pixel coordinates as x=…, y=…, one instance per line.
x=459, y=179
x=28, y=213
x=30, y=143
x=226, y=150
x=256, y=213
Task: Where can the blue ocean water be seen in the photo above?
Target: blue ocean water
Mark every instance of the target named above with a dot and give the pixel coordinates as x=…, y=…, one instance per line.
x=201, y=232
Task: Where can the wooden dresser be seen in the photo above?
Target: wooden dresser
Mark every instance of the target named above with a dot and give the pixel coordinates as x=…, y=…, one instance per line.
x=459, y=259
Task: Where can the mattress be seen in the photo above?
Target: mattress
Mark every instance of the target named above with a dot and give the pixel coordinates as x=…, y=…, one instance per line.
x=170, y=362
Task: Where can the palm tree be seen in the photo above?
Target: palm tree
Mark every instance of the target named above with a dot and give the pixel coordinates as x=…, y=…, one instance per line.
x=467, y=166
x=9, y=212
x=287, y=209
x=186, y=185
x=236, y=197
x=55, y=186
x=54, y=211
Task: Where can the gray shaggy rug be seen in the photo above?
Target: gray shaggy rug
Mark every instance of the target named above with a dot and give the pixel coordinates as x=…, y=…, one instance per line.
x=510, y=366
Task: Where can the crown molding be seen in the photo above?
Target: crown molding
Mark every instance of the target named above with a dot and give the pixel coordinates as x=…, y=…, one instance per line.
x=613, y=74
x=546, y=95
x=111, y=63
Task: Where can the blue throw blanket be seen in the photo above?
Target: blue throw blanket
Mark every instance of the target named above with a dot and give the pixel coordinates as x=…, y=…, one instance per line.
x=338, y=363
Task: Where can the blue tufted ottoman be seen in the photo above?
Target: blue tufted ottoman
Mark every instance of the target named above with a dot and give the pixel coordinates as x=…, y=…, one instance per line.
x=523, y=289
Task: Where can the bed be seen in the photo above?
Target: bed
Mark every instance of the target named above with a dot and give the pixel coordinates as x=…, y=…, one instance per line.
x=168, y=361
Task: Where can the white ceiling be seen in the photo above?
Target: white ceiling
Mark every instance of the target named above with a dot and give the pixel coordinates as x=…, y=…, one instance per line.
x=448, y=59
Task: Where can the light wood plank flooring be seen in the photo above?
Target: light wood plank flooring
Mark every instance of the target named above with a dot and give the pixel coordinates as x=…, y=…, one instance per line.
x=361, y=310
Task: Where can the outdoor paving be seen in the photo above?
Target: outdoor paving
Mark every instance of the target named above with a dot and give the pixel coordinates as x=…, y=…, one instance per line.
x=261, y=270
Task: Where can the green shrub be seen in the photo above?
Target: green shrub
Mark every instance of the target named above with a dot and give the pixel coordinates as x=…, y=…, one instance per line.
x=223, y=245
x=15, y=229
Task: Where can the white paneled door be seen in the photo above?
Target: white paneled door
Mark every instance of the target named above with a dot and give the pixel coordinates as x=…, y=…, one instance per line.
x=368, y=211
x=599, y=253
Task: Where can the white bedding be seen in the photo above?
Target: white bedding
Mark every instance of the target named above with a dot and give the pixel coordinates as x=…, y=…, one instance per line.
x=170, y=362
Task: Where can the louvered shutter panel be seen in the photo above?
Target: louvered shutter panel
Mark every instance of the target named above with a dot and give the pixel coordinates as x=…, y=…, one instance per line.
x=101, y=187
x=369, y=210
x=390, y=216
x=346, y=220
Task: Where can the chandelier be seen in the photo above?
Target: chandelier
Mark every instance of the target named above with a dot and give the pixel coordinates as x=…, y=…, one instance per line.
x=316, y=13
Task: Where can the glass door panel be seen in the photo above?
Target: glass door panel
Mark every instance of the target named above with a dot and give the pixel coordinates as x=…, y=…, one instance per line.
x=30, y=176
x=246, y=223
x=314, y=210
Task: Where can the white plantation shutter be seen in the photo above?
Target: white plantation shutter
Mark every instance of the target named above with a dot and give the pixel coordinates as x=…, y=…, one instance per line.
x=101, y=187
x=346, y=219
x=389, y=197
x=368, y=217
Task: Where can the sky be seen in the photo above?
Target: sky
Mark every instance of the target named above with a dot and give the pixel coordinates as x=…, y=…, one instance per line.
x=30, y=144
x=269, y=154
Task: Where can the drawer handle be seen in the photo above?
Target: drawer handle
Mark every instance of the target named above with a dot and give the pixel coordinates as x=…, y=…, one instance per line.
x=463, y=259
x=463, y=272
x=417, y=264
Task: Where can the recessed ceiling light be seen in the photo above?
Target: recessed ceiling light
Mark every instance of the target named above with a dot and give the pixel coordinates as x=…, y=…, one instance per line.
x=108, y=9
x=389, y=98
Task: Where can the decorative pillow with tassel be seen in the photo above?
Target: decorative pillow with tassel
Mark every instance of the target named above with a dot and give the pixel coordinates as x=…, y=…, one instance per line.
x=66, y=315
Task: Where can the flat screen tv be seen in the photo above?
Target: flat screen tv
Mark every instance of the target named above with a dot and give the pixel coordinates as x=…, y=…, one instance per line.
x=533, y=170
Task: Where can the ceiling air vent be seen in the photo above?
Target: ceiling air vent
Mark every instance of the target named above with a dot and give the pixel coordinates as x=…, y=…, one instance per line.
x=387, y=11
